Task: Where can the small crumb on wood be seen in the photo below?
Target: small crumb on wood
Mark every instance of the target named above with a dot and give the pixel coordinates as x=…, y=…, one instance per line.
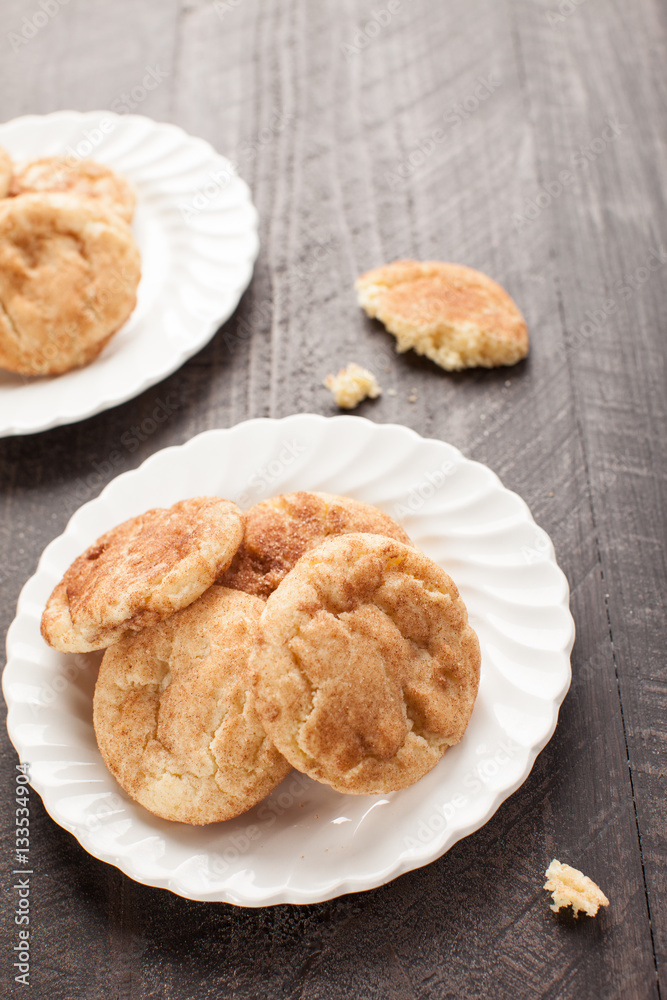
x=391, y=392
x=570, y=887
x=413, y=397
x=351, y=385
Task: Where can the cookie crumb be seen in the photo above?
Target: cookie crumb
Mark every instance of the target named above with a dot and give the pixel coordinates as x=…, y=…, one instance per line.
x=351, y=385
x=570, y=887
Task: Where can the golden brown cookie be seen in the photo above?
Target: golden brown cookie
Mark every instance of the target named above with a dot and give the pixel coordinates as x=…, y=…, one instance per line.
x=141, y=572
x=453, y=314
x=6, y=169
x=69, y=273
x=174, y=719
x=278, y=531
x=82, y=178
x=367, y=669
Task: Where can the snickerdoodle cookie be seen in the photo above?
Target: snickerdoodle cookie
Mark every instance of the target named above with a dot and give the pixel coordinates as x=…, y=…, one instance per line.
x=69, y=272
x=141, y=572
x=83, y=178
x=278, y=531
x=173, y=717
x=366, y=669
x=453, y=314
x=6, y=169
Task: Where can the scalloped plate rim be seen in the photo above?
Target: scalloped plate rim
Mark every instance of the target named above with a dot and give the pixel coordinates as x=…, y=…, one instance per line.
x=208, y=328
x=284, y=893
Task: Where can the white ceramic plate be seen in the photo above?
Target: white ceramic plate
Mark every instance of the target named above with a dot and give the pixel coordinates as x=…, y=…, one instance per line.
x=196, y=228
x=307, y=843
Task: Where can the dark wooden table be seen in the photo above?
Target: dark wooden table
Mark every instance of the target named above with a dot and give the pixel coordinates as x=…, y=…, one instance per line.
x=525, y=138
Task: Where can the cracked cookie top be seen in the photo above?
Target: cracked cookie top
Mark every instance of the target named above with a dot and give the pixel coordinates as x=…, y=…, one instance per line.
x=278, y=531
x=174, y=720
x=141, y=572
x=366, y=668
x=69, y=272
x=83, y=178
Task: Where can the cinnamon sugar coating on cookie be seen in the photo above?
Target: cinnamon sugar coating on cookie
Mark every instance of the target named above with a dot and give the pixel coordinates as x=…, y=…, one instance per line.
x=174, y=719
x=69, y=272
x=455, y=315
x=367, y=669
x=6, y=170
x=83, y=178
x=278, y=531
x=141, y=572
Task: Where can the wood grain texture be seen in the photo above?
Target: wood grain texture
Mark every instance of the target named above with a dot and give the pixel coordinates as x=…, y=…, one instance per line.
x=444, y=135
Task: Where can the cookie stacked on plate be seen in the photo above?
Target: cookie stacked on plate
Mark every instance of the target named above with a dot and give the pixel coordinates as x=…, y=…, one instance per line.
x=308, y=632
x=69, y=265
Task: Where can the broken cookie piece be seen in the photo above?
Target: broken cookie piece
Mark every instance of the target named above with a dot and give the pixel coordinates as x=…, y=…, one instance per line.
x=456, y=316
x=351, y=385
x=570, y=887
